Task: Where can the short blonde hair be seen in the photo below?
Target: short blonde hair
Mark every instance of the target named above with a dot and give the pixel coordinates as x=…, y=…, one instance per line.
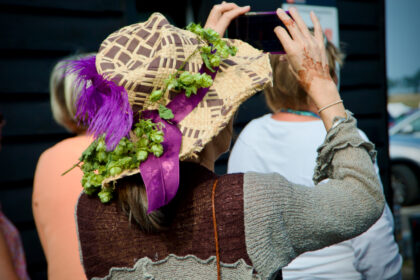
x=63, y=95
x=286, y=92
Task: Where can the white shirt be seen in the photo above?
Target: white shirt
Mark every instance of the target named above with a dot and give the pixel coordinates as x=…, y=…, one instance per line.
x=289, y=148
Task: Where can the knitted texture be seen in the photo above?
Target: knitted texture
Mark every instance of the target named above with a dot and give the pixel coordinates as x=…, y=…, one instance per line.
x=108, y=240
x=284, y=220
x=182, y=268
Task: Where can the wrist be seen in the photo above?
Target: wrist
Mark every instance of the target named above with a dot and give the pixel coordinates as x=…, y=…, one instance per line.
x=323, y=92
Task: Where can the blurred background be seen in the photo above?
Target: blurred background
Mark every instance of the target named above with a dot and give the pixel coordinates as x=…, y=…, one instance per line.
x=380, y=83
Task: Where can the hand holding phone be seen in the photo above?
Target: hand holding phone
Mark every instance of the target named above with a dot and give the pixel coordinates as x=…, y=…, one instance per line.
x=257, y=29
x=221, y=15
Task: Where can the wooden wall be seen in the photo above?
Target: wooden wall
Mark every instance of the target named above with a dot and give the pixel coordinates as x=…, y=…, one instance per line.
x=35, y=34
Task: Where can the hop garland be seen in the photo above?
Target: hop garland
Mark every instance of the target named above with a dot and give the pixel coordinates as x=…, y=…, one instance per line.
x=98, y=164
x=212, y=53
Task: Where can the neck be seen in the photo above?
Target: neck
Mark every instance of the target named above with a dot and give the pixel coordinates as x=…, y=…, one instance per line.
x=305, y=114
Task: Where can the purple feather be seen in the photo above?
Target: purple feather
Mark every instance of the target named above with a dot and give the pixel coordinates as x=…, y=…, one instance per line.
x=101, y=104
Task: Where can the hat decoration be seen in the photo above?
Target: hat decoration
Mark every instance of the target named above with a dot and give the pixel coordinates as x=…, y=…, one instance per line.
x=101, y=105
x=153, y=143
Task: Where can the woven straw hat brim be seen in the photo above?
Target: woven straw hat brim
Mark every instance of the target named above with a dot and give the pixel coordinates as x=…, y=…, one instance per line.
x=141, y=56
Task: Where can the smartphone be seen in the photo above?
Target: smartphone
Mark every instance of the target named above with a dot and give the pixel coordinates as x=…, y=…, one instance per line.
x=257, y=29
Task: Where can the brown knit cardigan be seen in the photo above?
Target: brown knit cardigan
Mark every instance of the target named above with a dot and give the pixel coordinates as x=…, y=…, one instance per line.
x=107, y=239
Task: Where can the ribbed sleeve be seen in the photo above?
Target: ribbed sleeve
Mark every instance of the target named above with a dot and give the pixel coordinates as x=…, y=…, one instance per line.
x=284, y=220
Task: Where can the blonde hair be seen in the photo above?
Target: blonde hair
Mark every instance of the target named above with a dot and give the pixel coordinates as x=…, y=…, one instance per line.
x=132, y=198
x=63, y=91
x=286, y=92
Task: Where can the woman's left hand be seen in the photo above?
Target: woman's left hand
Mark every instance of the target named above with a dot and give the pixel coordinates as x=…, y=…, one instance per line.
x=221, y=15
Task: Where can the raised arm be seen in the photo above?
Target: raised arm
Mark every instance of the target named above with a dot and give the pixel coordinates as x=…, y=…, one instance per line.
x=308, y=60
x=284, y=220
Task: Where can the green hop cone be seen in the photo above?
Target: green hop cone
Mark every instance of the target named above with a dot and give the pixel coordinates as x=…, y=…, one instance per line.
x=157, y=150
x=101, y=156
x=142, y=155
x=101, y=147
x=210, y=35
x=91, y=182
x=125, y=162
x=115, y=170
x=172, y=83
x=119, y=150
x=233, y=50
x=186, y=78
x=105, y=195
x=157, y=137
x=206, y=49
x=89, y=189
x=87, y=167
x=205, y=81
x=156, y=95
x=143, y=142
x=195, y=28
x=138, y=131
x=224, y=53
x=215, y=60
x=130, y=146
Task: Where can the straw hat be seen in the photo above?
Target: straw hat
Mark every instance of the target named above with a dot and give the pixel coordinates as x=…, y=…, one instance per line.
x=141, y=56
x=138, y=58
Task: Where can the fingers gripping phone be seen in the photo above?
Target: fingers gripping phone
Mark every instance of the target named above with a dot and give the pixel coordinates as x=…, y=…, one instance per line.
x=257, y=29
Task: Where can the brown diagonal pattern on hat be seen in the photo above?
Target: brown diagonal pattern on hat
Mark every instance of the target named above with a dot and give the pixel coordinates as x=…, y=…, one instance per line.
x=156, y=49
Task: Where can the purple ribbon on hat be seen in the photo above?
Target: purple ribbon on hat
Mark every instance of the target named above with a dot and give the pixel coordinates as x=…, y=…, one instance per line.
x=161, y=174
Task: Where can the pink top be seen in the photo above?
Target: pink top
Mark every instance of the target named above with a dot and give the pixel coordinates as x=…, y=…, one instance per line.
x=14, y=244
x=53, y=201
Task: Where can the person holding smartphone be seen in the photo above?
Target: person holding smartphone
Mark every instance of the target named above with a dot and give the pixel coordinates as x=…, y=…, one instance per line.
x=286, y=142
x=235, y=226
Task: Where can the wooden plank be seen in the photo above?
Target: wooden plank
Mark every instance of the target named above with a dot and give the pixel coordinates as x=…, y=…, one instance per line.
x=16, y=204
x=26, y=74
x=18, y=160
x=364, y=101
x=358, y=13
x=29, y=118
x=77, y=5
x=375, y=129
x=33, y=249
x=362, y=72
x=55, y=32
x=360, y=42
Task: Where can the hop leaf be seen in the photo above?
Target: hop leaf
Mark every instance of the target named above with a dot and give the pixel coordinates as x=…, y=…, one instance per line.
x=206, y=61
x=156, y=95
x=165, y=113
